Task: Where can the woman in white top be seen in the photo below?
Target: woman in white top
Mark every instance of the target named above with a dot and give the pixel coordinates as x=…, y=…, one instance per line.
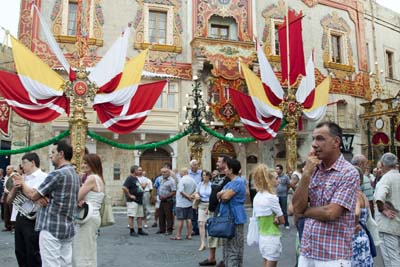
x=203, y=192
x=269, y=215
x=84, y=251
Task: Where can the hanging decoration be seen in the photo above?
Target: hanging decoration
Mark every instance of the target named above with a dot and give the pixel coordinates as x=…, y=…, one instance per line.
x=4, y=118
x=141, y=146
x=36, y=146
x=267, y=104
x=39, y=94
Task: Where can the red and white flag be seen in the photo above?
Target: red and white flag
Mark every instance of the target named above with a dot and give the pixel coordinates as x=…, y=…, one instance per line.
x=35, y=93
x=295, y=46
x=123, y=107
x=314, y=99
x=260, y=127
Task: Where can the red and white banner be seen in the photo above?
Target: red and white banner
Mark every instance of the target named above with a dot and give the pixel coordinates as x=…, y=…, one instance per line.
x=260, y=127
x=5, y=117
x=295, y=46
x=123, y=119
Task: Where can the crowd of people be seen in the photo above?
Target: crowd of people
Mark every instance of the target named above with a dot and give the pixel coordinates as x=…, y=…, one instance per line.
x=332, y=202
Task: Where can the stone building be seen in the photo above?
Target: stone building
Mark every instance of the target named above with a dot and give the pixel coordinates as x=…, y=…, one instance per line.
x=206, y=39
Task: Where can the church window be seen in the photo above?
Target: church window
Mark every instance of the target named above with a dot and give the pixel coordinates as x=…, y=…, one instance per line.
x=275, y=38
x=337, y=48
x=72, y=12
x=158, y=27
x=222, y=28
x=219, y=31
x=389, y=64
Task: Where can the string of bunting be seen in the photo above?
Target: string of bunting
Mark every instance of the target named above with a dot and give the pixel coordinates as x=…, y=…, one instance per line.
x=141, y=146
x=36, y=146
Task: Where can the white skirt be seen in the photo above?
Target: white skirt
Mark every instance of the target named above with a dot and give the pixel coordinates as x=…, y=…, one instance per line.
x=270, y=247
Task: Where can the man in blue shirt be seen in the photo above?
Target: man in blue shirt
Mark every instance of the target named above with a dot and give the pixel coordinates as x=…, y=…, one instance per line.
x=282, y=191
x=195, y=173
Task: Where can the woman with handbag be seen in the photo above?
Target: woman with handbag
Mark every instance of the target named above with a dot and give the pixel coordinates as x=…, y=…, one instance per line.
x=203, y=191
x=232, y=198
x=269, y=215
x=84, y=246
x=362, y=256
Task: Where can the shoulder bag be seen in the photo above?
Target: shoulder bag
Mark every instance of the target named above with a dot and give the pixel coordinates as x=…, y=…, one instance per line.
x=106, y=214
x=372, y=246
x=221, y=226
x=372, y=226
x=252, y=233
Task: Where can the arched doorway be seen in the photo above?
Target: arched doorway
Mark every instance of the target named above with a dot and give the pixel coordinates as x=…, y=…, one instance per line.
x=152, y=161
x=221, y=148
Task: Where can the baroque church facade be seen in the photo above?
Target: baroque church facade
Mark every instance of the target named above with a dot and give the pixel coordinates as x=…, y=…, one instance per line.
x=206, y=39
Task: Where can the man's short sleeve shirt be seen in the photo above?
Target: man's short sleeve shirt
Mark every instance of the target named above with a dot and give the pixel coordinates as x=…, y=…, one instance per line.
x=332, y=240
x=166, y=186
x=388, y=191
x=61, y=186
x=134, y=188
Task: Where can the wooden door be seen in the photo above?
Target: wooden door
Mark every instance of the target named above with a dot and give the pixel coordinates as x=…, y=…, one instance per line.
x=152, y=161
x=221, y=148
x=152, y=167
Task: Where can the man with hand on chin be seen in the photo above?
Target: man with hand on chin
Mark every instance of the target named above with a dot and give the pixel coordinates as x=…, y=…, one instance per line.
x=327, y=196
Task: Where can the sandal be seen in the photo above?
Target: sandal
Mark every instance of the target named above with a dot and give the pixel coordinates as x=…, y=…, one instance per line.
x=176, y=238
x=188, y=237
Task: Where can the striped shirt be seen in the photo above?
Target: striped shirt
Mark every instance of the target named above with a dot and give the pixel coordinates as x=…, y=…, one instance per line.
x=332, y=240
x=167, y=185
x=62, y=188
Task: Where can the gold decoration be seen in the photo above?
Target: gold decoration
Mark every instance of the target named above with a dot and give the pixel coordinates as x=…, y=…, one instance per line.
x=73, y=40
x=79, y=91
x=310, y=3
x=196, y=150
x=292, y=112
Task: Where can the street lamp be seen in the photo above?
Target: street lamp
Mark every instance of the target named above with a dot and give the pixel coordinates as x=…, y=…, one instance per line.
x=197, y=113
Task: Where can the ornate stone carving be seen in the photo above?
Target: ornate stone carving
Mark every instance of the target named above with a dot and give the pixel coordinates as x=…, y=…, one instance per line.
x=220, y=102
x=224, y=55
x=274, y=12
x=181, y=70
x=95, y=38
x=335, y=23
x=310, y=3
x=239, y=10
x=165, y=51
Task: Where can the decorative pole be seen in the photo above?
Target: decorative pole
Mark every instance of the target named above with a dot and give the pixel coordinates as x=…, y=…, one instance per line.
x=79, y=90
x=196, y=114
x=291, y=110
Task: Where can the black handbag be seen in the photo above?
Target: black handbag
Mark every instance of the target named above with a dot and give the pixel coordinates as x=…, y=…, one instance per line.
x=372, y=246
x=221, y=226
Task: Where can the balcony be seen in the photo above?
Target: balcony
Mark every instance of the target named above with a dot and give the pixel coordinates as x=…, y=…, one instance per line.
x=222, y=54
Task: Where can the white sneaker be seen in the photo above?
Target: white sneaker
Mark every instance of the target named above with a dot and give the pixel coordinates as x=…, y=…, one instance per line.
x=145, y=226
x=287, y=227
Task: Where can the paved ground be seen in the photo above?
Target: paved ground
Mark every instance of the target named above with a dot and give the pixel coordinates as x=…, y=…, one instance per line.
x=117, y=248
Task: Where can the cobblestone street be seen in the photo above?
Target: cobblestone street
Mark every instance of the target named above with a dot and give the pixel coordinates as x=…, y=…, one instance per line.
x=117, y=248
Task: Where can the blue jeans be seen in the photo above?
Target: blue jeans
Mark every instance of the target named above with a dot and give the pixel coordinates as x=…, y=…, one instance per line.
x=300, y=224
x=283, y=204
x=195, y=225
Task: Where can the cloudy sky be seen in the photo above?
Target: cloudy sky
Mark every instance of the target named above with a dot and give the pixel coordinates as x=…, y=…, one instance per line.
x=9, y=14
